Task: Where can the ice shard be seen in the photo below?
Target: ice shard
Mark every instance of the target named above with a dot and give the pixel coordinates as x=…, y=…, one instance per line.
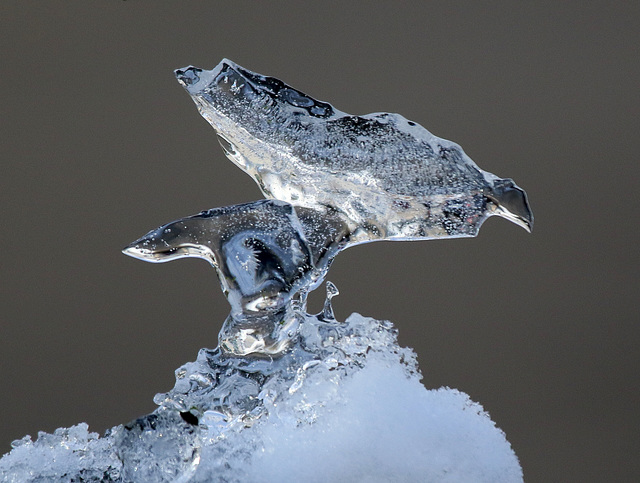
x=388, y=177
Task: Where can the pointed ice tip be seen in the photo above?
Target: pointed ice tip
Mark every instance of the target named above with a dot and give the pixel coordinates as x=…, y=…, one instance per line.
x=132, y=251
x=511, y=202
x=138, y=249
x=188, y=76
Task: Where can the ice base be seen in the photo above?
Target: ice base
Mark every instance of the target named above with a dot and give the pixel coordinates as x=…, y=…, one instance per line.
x=345, y=403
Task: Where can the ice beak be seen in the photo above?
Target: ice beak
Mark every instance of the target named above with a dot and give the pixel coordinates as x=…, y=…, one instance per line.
x=135, y=251
x=510, y=201
x=145, y=248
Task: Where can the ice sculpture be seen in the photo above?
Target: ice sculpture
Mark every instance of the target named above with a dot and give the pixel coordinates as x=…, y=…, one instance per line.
x=288, y=396
x=340, y=180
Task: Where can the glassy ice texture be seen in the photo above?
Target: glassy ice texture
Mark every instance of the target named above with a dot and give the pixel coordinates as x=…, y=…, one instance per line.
x=388, y=177
x=288, y=396
x=342, y=404
x=267, y=256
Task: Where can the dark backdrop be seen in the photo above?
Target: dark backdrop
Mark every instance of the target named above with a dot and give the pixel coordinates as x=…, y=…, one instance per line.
x=101, y=144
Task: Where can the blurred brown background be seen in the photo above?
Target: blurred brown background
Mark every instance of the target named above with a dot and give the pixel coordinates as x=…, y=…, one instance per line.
x=100, y=144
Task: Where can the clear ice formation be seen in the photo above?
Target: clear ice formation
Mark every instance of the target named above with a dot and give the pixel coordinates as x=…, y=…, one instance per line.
x=339, y=180
x=288, y=396
x=387, y=177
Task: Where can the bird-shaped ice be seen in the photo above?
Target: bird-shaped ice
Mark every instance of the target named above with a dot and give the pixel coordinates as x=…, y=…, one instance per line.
x=334, y=180
x=388, y=177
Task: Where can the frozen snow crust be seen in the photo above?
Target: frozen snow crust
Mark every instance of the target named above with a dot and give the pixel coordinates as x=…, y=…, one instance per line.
x=344, y=403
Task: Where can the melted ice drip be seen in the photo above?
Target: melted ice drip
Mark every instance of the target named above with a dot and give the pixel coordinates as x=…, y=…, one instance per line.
x=388, y=177
x=227, y=390
x=217, y=397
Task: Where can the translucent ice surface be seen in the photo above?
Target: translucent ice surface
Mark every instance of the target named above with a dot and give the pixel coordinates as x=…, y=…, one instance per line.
x=335, y=180
x=268, y=256
x=388, y=177
x=343, y=404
